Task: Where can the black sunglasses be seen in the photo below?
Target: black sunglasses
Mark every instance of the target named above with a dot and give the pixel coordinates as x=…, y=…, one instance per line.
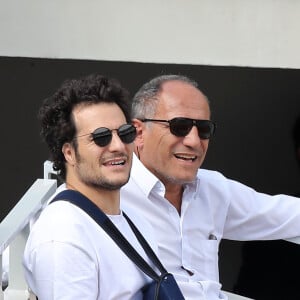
x=102, y=136
x=182, y=126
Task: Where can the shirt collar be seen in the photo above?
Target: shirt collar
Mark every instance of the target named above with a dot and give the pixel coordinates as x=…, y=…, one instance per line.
x=148, y=181
x=143, y=177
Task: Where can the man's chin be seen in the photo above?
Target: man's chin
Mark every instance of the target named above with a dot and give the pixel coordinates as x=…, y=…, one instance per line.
x=116, y=185
x=179, y=180
x=109, y=185
x=186, y=176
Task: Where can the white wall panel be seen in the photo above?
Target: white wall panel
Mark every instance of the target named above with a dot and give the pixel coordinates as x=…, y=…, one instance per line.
x=210, y=32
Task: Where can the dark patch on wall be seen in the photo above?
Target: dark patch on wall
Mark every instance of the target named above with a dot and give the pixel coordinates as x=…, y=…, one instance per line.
x=255, y=109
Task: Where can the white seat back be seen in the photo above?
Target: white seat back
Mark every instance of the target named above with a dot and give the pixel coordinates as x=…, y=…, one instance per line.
x=14, y=230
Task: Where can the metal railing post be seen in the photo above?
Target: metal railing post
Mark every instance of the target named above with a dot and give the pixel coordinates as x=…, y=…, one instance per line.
x=16, y=250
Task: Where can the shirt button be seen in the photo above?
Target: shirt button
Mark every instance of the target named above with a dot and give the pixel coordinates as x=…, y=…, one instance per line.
x=188, y=271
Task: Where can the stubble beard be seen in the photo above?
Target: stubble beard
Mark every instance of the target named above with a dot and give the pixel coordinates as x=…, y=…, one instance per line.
x=100, y=182
x=89, y=177
x=171, y=179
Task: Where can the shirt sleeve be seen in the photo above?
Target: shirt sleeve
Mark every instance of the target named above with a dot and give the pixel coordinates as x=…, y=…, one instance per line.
x=258, y=216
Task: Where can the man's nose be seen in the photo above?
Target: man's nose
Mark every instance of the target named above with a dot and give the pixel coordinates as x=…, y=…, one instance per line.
x=116, y=142
x=192, y=138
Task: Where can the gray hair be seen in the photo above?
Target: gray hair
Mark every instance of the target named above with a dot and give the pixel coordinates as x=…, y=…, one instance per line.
x=144, y=102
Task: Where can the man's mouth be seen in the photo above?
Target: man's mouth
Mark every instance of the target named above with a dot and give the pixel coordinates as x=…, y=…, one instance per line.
x=115, y=162
x=186, y=157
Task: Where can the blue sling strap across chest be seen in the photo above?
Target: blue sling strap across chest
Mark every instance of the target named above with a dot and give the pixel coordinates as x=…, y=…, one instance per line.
x=108, y=226
x=163, y=286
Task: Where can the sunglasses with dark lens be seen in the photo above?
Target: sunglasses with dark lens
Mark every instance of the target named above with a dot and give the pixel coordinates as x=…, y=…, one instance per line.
x=102, y=136
x=182, y=126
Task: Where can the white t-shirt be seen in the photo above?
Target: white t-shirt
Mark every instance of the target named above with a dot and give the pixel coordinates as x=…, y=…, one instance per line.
x=213, y=207
x=69, y=256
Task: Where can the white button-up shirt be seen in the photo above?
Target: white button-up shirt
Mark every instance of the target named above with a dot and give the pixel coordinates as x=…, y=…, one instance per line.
x=213, y=207
x=69, y=256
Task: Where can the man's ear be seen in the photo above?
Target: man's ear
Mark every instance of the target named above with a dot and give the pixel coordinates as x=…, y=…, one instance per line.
x=69, y=153
x=139, y=125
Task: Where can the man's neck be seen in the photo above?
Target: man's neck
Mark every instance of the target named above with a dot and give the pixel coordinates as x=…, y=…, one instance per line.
x=108, y=201
x=174, y=195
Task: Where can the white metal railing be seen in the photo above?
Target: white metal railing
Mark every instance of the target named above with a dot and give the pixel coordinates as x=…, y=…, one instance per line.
x=295, y=240
x=14, y=231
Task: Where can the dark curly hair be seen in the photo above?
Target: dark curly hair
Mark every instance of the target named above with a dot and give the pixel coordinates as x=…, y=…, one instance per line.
x=55, y=114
